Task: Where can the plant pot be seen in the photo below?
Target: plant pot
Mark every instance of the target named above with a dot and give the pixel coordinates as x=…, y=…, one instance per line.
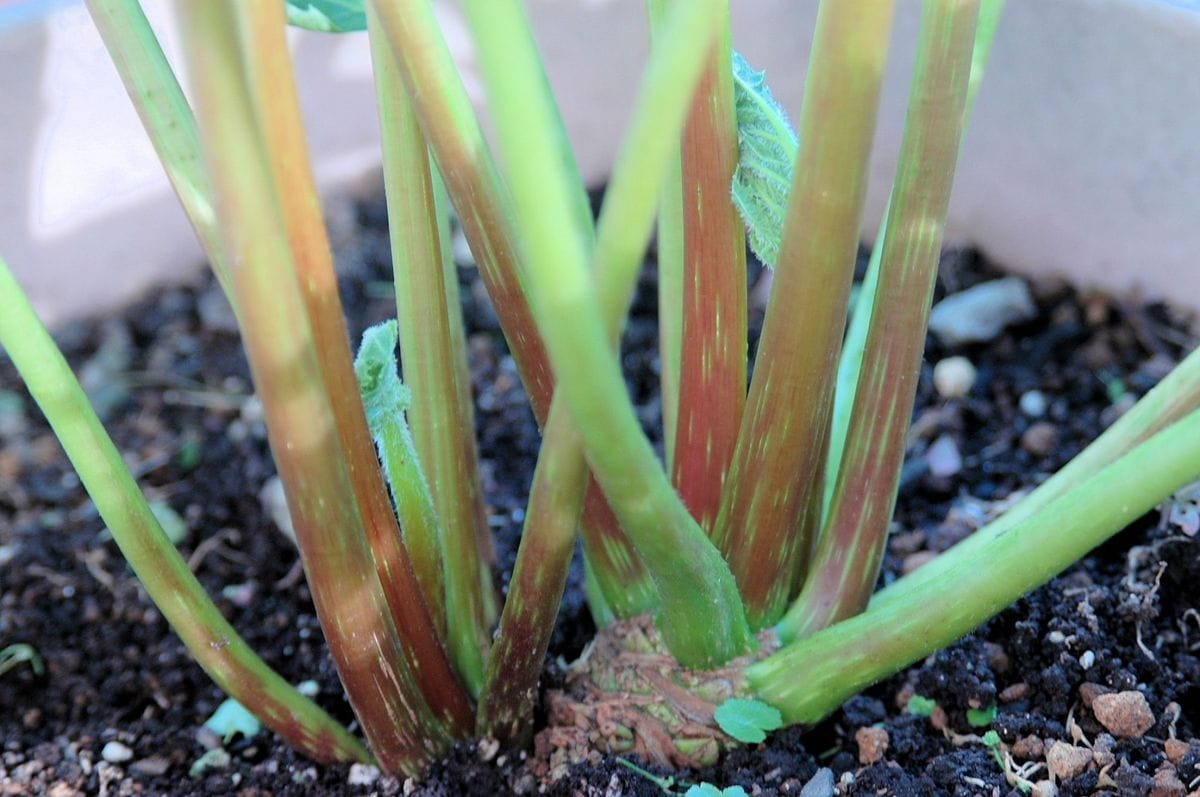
x=1080, y=160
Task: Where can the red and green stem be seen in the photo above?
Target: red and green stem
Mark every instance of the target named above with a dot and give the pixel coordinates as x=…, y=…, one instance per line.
x=169, y=582
x=771, y=508
x=712, y=364
x=701, y=619
x=535, y=590
x=302, y=421
x=848, y=556
x=485, y=211
x=438, y=422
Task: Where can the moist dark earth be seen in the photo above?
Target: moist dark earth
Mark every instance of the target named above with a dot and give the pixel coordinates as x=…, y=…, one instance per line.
x=174, y=391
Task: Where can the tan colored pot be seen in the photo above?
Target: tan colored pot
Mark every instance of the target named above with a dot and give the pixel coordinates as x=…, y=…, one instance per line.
x=1081, y=159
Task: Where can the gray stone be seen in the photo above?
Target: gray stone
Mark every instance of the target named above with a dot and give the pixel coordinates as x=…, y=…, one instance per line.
x=979, y=314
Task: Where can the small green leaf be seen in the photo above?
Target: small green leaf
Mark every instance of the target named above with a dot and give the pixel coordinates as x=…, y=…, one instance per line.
x=921, y=706
x=981, y=717
x=748, y=721
x=767, y=148
x=232, y=718
x=703, y=790
x=216, y=758
x=991, y=739
x=327, y=16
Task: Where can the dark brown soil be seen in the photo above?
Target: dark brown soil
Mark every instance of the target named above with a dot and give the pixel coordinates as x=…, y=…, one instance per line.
x=175, y=393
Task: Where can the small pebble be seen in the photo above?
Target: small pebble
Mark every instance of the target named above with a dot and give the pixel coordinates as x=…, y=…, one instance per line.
x=1040, y=438
x=981, y=313
x=1015, y=692
x=1065, y=761
x=1056, y=637
x=872, y=744
x=152, y=767
x=821, y=784
x=1087, y=659
x=116, y=753
x=1033, y=403
x=1167, y=783
x=1028, y=748
x=362, y=775
x=1175, y=749
x=954, y=377
x=943, y=457
x=1126, y=715
x=1043, y=788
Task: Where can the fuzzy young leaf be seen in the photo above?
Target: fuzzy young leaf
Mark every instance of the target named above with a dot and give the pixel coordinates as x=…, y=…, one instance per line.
x=327, y=16
x=767, y=148
x=920, y=706
x=385, y=401
x=748, y=721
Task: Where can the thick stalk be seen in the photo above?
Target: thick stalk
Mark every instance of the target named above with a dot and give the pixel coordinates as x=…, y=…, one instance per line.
x=670, y=251
x=464, y=400
x=302, y=424
x=855, y=344
x=712, y=370
x=535, y=591
x=1169, y=401
x=810, y=678
x=771, y=507
x=847, y=560
x=261, y=26
x=428, y=360
x=165, y=114
x=702, y=618
x=485, y=211
x=169, y=582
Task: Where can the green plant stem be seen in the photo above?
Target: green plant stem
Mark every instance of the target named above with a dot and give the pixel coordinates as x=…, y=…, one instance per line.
x=485, y=211
x=464, y=400
x=771, y=507
x=810, y=678
x=712, y=367
x=536, y=588
x=847, y=561
x=165, y=114
x=701, y=620
x=855, y=344
x=430, y=371
x=261, y=26
x=210, y=639
x=403, y=730
x=1172, y=399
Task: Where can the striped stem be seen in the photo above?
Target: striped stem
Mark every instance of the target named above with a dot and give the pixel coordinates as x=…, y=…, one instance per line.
x=485, y=210
x=712, y=366
x=771, y=507
x=701, y=620
x=847, y=560
x=429, y=362
x=302, y=425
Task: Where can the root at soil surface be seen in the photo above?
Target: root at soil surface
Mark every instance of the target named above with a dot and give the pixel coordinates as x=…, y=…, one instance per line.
x=626, y=695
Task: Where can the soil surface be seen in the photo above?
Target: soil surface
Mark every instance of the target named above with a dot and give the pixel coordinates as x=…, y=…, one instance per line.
x=118, y=706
